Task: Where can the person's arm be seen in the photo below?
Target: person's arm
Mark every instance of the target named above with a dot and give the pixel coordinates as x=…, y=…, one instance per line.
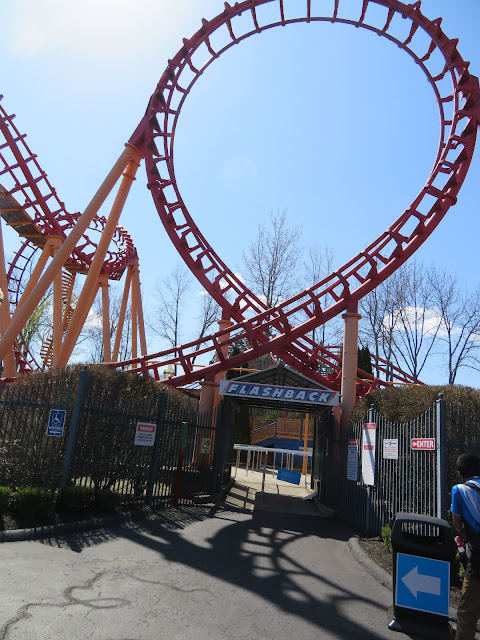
x=456, y=510
x=457, y=523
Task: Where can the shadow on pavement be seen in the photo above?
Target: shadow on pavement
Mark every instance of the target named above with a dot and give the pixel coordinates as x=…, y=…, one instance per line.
x=262, y=552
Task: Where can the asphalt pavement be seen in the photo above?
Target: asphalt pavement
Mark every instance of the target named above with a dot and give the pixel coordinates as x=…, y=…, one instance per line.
x=271, y=567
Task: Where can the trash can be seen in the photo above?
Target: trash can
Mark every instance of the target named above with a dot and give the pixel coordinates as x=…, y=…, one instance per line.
x=423, y=548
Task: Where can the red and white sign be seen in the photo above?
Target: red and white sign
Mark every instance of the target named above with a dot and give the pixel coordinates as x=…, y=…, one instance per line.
x=145, y=434
x=368, y=453
x=423, y=444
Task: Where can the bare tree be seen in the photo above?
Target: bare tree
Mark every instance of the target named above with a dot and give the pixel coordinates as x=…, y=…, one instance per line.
x=171, y=297
x=318, y=264
x=91, y=337
x=210, y=313
x=380, y=317
x=272, y=259
x=459, y=312
x=417, y=323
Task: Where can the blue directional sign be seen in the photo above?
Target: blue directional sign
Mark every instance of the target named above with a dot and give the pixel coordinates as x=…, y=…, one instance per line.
x=423, y=584
x=56, y=422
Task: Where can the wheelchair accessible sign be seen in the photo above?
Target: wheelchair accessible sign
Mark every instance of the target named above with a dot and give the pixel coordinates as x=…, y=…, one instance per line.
x=56, y=422
x=423, y=584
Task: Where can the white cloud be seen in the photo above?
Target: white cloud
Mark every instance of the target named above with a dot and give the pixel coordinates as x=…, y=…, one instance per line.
x=428, y=318
x=103, y=30
x=30, y=42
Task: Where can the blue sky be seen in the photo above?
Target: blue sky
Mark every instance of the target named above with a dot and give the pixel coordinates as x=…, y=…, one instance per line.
x=331, y=122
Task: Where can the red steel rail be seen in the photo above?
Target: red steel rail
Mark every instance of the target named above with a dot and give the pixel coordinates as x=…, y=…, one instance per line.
x=30, y=204
x=276, y=329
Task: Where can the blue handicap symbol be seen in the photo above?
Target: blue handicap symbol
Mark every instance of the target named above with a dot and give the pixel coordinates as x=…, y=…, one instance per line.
x=56, y=422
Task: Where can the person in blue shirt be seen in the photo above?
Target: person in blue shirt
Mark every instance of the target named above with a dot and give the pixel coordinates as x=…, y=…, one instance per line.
x=465, y=510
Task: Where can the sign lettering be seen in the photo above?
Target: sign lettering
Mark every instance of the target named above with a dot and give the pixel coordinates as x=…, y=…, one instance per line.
x=278, y=392
x=423, y=444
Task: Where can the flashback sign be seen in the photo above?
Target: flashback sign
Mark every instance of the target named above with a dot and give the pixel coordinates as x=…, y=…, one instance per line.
x=423, y=444
x=277, y=392
x=56, y=422
x=145, y=434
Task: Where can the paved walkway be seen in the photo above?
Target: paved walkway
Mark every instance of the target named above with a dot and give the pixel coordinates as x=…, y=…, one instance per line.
x=278, y=571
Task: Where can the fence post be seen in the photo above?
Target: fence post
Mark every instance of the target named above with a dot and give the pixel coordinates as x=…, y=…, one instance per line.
x=441, y=429
x=73, y=430
x=162, y=405
x=219, y=453
x=371, y=418
x=182, y=441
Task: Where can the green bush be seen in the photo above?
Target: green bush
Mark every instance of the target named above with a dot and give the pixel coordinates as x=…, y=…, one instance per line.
x=457, y=571
x=386, y=537
x=5, y=496
x=74, y=499
x=30, y=502
x=107, y=500
x=401, y=404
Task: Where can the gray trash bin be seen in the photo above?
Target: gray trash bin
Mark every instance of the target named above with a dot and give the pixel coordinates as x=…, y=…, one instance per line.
x=423, y=548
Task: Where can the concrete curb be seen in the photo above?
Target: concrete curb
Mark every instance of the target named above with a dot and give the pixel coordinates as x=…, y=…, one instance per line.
x=382, y=576
x=63, y=528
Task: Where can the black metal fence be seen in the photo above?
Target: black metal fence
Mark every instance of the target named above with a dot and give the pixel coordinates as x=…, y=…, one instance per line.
x=71, y=428
x=405, y=479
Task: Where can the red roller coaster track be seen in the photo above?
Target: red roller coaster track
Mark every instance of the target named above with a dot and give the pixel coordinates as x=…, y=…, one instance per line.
x=276, y=330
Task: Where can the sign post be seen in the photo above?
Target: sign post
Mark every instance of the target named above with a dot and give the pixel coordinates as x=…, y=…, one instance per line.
x=368, y=453
x=182, y=442
x=368, y=460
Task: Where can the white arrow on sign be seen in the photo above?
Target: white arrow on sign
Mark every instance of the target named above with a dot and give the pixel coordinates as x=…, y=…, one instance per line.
x=416, y=582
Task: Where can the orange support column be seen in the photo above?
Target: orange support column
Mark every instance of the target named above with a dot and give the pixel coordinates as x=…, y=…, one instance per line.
x=9, y=365
x=349, y=364
x=207, y=395
x=134, y=319
x=107, y=353
x=47, y=253
x=305, y=444
x=56, y=243
x=222, y=324
x=23, y=313
x=139, y=308
x=87, y=296
x=121, y=317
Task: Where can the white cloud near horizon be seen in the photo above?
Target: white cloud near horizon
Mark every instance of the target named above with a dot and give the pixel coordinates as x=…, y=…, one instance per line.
x=102, y=29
